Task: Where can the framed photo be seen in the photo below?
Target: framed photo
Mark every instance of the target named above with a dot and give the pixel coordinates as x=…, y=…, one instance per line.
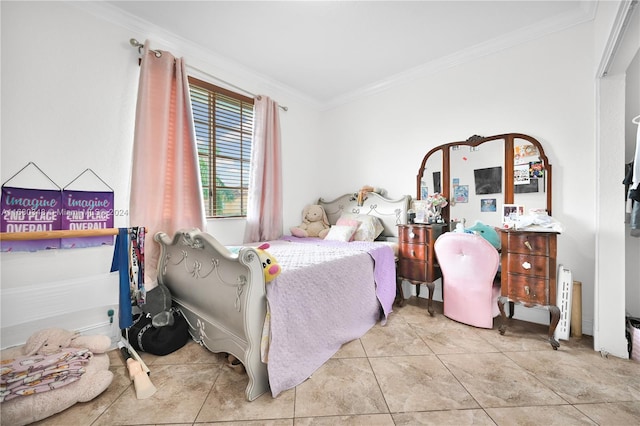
x=510, y=214
x=421, y=207
x=461, y=193
x=488, y=205
x=424, y=190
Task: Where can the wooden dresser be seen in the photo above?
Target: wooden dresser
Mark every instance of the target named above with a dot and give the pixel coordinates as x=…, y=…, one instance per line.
x=416, y=258
x=528, y=263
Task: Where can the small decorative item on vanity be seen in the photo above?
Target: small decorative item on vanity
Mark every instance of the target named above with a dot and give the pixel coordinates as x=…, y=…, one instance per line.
x=436, y=202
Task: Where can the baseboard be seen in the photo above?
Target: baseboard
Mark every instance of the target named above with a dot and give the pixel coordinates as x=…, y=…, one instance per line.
x=80, y=304
x=538, y=315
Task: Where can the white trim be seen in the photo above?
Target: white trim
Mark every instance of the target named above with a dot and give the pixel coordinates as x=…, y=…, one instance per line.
x=625, y=9
x=80, y=304
x=181, y=46
x=46, y=300
x=558, y=23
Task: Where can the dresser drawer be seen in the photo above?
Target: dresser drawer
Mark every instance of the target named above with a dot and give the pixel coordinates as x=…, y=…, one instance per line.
x=413, y=234
x=528, y=243
x=414, y=251
x=413, y=270
x=532, y=266
x=531, y=291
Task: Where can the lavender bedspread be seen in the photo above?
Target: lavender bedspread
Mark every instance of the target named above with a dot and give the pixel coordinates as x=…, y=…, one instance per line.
x=317, y=307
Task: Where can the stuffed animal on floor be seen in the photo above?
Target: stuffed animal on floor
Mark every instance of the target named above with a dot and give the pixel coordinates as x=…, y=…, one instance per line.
x=269, y=263
x=314, y=223
x=29, y=408
x=487, y=232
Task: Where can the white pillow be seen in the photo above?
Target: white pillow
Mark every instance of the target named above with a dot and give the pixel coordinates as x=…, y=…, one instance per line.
x=369, y=229
x=340, y=233
x=348, y=222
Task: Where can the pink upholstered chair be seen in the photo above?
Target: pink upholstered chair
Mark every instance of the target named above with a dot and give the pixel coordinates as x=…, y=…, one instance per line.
x=469, y=264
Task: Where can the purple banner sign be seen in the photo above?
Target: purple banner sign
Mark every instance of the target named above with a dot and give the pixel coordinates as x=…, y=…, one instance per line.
x=85, y=210
x=30, y=210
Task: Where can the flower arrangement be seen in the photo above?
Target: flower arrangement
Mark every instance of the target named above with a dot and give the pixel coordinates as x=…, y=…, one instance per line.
x=437, y=200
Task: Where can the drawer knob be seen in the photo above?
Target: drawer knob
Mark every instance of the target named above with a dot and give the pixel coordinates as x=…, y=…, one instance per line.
x=527, y=290
x=412, y=235
x=413, y=253
x=528, y=245
x=526, y=265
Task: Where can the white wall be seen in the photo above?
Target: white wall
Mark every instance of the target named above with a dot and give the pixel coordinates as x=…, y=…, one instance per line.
x=612, y=243
x=69, y=83
x=632, y=109
x=544, y=88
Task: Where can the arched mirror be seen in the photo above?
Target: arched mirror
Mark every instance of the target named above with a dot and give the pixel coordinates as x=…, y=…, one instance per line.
x=486, y=178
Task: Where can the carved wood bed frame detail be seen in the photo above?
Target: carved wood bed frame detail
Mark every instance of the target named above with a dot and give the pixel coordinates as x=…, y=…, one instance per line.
x=223, y=295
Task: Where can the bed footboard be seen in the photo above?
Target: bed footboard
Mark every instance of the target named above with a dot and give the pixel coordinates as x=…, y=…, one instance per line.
x=221, y=294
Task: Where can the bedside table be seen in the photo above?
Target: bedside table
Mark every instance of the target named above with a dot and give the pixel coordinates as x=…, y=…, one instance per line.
x=416, y=258
x=528, y=262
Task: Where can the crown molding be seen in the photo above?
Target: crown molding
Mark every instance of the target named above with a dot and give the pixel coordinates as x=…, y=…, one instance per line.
x=625, y=10
x=179, y=46
x=188, y=48
x=585, y=13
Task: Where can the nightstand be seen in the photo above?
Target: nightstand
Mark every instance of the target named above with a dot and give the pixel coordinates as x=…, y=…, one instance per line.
x=416, y=258
x=528, y=262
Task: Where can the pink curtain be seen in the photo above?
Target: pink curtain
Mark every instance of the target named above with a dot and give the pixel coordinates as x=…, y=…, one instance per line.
x=264, y=209
x=166, y=192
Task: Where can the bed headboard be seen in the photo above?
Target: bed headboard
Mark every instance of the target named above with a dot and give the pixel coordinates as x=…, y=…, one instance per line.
x=391, y=212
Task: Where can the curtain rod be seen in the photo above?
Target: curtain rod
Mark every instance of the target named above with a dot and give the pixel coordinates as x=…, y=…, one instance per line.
x=158, y=53
x=46, y=235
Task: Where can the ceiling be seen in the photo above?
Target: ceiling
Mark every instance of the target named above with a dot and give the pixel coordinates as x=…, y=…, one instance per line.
x=328, y=51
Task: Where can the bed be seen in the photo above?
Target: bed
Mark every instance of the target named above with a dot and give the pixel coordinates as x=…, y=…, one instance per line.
x=329, y=293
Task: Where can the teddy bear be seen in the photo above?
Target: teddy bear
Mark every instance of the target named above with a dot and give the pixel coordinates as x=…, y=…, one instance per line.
x=314, y=223
x=40, y=346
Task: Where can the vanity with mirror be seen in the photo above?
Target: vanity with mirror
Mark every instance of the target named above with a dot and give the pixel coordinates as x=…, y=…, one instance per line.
x=493, y=179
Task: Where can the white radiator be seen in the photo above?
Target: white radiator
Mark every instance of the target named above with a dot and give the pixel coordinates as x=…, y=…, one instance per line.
x=564, y=293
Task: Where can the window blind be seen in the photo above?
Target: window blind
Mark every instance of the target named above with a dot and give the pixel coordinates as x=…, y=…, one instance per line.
x=223, y=123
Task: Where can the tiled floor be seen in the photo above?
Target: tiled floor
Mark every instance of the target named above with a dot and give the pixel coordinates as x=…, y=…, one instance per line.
x=415, y=370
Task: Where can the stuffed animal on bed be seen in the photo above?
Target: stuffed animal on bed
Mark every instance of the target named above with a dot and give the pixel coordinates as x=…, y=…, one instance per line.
x=314, y=223
x=362, y=194
x=269, y=263
x=42, y=346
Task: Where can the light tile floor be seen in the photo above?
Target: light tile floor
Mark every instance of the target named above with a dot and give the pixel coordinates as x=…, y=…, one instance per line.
x=415, y=370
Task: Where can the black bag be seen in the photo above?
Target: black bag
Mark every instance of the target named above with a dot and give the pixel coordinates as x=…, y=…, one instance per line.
x=144, y=337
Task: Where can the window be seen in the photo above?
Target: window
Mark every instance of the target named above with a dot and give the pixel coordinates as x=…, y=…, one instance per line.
x=224, y=128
